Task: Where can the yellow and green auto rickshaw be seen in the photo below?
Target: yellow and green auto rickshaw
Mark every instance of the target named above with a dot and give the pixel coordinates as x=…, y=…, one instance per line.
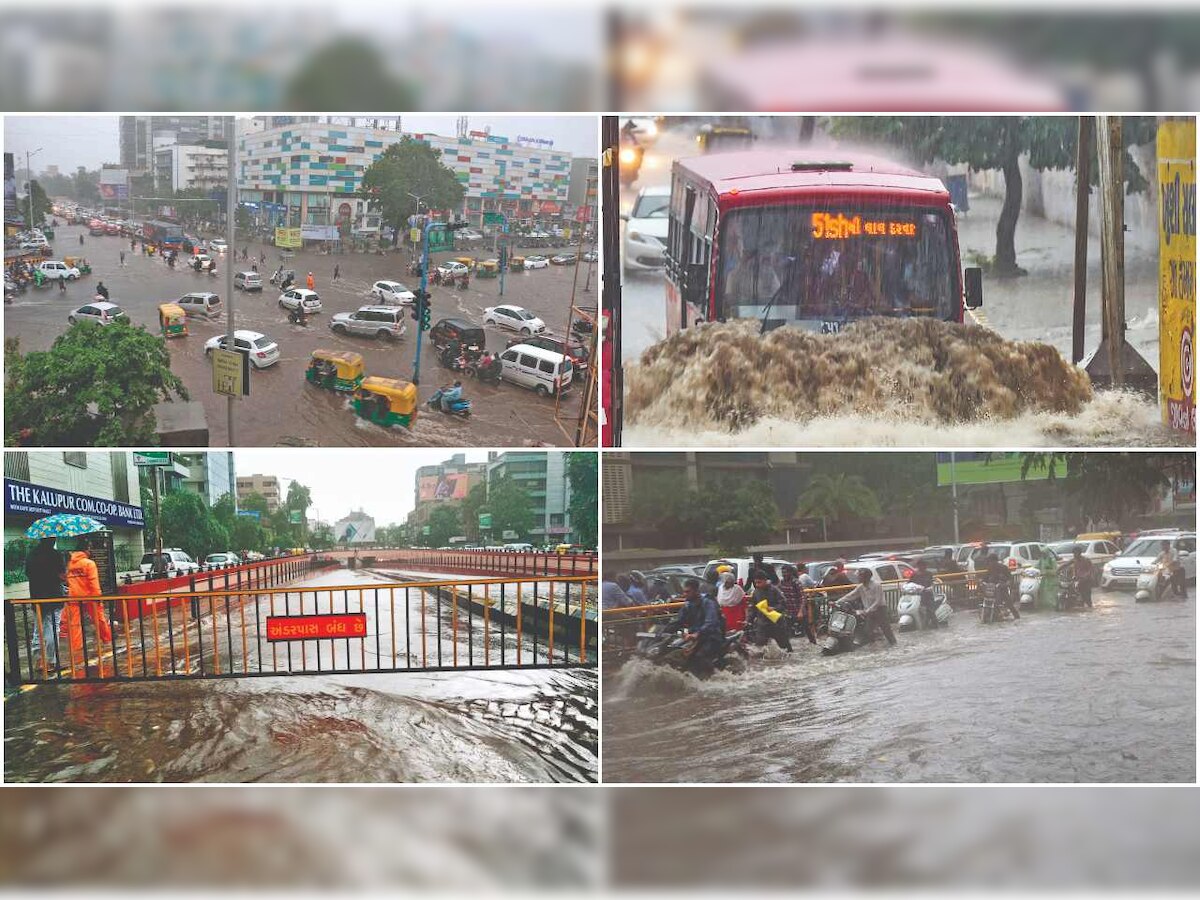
x=516, y=264
x=335, y=370
x=489, y=268
x=386, y=401
x=80, y=263
x=469, y=261
x=172, y=320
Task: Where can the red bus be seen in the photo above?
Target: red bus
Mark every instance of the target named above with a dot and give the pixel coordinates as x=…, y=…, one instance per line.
x=788, y=237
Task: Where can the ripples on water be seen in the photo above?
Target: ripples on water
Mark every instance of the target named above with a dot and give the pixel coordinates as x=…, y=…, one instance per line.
x=1107, y=695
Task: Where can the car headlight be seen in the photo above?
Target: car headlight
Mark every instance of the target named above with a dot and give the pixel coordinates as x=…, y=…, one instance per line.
x=1149, y=570
x=1107, y=570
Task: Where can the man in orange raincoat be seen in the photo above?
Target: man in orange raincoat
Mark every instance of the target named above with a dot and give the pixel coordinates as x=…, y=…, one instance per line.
x=311, y=282
x=83, y=580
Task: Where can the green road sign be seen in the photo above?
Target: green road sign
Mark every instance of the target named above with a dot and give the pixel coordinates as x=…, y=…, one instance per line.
x=441, y=239
x=493, y=218
x=152, y=459
x=425, y=530
x=295, y=516
x=485, y=520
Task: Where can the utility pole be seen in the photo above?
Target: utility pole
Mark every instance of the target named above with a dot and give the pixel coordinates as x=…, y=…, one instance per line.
x=29, y=183
x=230, y=215
x=954, y=494
x=1112, y=241
x=1083, y=177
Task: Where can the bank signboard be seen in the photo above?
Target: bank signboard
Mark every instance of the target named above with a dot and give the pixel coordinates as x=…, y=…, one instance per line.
x=24, y=499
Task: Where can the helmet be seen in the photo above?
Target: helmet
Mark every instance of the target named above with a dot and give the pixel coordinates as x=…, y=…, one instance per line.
x=721, y=570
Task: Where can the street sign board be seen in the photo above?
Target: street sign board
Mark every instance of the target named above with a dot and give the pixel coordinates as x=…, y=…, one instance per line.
x=440, y=239
x=414, y=235
x=1177, y=273
x=287, y=238
x=152, y=459
x=493, y=218
x=425, y=530
x=295, y=516
x=250, y=514
x=314, y=627
x=230, y=373
x=485, y=520
x=509, y=535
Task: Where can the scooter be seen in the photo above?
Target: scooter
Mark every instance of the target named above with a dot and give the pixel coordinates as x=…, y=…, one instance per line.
x=298, y=317
x=912, y=617
x=460, y=407
x=675, y=649
x=1153, y=584
x=1030, y=586
x=847, y=628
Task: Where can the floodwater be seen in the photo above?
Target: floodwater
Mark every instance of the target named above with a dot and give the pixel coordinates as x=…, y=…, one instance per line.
x=1107, y=695
x=495, y=726
x=282, y=409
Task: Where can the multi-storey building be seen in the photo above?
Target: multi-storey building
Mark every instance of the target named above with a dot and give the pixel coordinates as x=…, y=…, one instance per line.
x=447, y=482
x=142, y=136
x=544, y=477
x=267, y=485
x=181, y=167
x=210, y=474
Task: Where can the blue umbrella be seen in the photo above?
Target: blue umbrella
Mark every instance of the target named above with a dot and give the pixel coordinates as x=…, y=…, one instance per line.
x=62, y=525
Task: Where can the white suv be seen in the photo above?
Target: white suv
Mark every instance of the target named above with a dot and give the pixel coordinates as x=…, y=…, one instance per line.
x=175, y=562
x=1138, y=557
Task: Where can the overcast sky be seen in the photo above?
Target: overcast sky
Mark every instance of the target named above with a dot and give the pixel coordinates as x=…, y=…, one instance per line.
x=379, y=482
x=72, y=141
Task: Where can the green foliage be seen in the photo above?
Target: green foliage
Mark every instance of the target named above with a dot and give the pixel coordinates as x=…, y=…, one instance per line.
x=410, y=167
x=321, y=537
x=749, y=517
x=834, y=496
x=469, y=510
x=96, y=386
x=584, y=508
x=443, y=524
x=511, y=507
x=41, y=203
x=1107, y=487
x=187, y=522
x=663, y=501
x=348, y=73
x=299, y=498
x=16, y=552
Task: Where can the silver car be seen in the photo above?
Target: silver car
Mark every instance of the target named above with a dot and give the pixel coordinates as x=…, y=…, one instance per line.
x=383, y=322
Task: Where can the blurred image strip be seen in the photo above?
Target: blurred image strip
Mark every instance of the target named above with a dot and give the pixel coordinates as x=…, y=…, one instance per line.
x=842, y=837
x=174, y=839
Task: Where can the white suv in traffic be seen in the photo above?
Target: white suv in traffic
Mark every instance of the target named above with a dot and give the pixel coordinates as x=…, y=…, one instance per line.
x=1138, y=557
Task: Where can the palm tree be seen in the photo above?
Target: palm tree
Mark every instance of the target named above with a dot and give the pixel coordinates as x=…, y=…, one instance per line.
x=836, y=496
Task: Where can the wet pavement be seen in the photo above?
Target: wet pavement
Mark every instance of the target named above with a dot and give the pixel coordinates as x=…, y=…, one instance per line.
x=494, y=726
x=1107, y=695
x=1037, y=306
x=283, y=409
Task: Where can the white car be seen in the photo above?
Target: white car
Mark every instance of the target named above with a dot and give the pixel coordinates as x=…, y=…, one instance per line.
x=537, y=262
x=100, y=311
x=218, y=245
x=453, y=269
x=514, y=317
x=261, y=349
x=741, y=568
x=55, y=269
x=293, y=298
x=175, y=561
x=1138, y=557
x=35, y=242
x=222, y=560
x=1099, y=552
x=393, y=292
x=646, y=230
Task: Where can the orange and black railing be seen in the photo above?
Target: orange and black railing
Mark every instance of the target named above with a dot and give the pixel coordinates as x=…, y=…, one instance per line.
x=413, y=626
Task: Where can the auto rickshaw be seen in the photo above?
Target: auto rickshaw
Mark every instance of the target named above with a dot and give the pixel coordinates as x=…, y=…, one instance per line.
x=489, y=268
x=516, y=264
x=172, y=320
x=335, y=370
x=80, y=263
x=469, y=261
x=386, y=401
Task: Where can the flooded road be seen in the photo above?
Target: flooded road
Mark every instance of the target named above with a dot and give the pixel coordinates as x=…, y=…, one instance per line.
x=283, y=409
x=1107, y=695
x=494, y=726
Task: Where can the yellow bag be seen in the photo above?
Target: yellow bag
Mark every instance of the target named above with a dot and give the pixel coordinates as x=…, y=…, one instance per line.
x=771, y=614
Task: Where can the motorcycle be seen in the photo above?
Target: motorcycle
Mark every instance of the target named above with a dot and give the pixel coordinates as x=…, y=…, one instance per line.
x=1068, y=594
x=460, y=407
x=675, y=649
x=463, y=282
x=1030, y=586
x=486, y=369
x=297, y=317
x=630, y=160
x=992, y=607
x=911, y=615
x=846, y=630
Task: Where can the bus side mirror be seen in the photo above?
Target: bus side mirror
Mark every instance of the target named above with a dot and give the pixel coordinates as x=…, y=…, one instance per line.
x=973, y=286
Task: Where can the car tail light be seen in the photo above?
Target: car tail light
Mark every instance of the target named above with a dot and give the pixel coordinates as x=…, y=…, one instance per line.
x=262, y=355
x=906, y=572
x=1012, y=562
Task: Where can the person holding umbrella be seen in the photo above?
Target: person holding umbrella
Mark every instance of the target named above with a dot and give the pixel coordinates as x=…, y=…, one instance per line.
x=46, y=571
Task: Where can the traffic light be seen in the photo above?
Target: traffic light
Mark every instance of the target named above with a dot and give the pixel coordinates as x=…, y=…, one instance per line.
x=425, y=317
x=420, y=310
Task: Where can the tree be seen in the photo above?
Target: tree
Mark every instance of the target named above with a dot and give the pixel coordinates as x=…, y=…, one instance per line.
x=348, y=73
x=748, y=518
x=664, y=502
x=469, y=510
x=96, y=386
x=188, y=523
x=832, y=497
x=584, y=506
x=443, y=524
x=406, y=170
x=993, y=142
x=511, y=507
x=41, y=203
x=322, y=537
x=299, y=498
x=1106, y=487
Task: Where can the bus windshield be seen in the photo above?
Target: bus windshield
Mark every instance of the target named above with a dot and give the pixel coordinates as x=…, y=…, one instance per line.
x=824, y=265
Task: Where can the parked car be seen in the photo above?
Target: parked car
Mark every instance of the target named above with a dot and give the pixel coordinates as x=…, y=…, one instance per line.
x=393, y=292
x=537, y=262
x=741, y=568
x=645, y=240
x=174, y=562
x=514, y=317
x=296, y=296
x=261, y=349
x=1099, y=552
x=1123, y=570
x=248, y=281
x=201, y=304
x=1015, y=555
x=101, y=312
x=383, y=322
x=222, y=559
x=884, y=570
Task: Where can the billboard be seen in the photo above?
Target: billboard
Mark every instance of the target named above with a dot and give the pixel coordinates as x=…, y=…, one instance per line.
x=1177, y=273
x=114, y=184
x=22, y=498
x=985, y=468
x=443, y=487
x=319, y=232
x=355, y=531
x=287, y=238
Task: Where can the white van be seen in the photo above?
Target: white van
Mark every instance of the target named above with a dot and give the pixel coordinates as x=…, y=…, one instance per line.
x=202, y=304
x=539, y=370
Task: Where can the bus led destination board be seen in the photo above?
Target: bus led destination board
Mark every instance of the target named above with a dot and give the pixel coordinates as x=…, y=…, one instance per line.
x=308, y=628
x=830, y=227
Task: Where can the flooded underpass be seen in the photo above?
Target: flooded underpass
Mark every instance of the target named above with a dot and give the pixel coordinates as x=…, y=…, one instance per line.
x=535, y=725
x=1106, y=695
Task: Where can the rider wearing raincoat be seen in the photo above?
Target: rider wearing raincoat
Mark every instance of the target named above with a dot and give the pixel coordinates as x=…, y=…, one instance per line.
x=1048, y=593
x=83, y=580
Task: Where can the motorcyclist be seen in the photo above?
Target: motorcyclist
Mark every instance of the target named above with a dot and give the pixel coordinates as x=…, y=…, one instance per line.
x=101, y=290
x=922, y=576
x=1084, y=574
x=700, y=617
x=1167, y=559
x=997, y=573
x=875, y=611
x=808, y=607
x=764, y=628
x=796, y=601
x=956, y=583
x=451, y=394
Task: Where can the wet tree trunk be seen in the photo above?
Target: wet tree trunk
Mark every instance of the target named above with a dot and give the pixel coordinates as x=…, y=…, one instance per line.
x=1005, y=264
